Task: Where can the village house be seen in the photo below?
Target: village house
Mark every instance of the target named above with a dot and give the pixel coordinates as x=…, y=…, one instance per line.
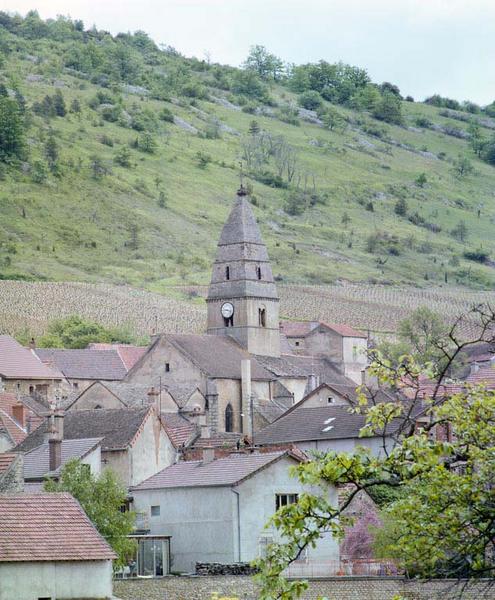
x=18, y=417
x=50, y=549
x=98, y=362
x=322, y=428
x=134, y=442
x=22, y=372
x=215, y=510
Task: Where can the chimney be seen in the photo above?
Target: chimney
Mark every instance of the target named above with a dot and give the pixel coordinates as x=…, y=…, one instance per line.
x=247, y=398
x=19, y=414
x=208, y=453
x=55, y=437
x=154, y=398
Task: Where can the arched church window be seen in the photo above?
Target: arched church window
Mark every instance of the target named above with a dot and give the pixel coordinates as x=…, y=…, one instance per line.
x=262, y=316
x=229, y=418
x=227, y=273
x=258, y=272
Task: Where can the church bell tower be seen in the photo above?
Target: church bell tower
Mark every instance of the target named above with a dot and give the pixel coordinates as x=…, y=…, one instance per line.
x=242, y=297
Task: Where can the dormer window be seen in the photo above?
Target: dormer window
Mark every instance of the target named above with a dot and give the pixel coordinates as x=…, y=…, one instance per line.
x=258, y=272
x=262, y=317
x=330, y=400
x=227, y=273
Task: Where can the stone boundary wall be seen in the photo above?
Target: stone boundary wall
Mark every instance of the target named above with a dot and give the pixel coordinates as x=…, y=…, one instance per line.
x=339, y=588
x=223, y=569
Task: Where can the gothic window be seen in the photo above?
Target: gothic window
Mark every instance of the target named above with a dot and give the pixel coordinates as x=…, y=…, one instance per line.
x=227, y=273
x=262, y=317
x=258, y=272
x=167, y=367
x=229, y=418
x=228, y=321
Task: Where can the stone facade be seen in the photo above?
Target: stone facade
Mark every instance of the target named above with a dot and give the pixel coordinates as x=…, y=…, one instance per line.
x=12, y=481
x=244, y=588
x=242, y=278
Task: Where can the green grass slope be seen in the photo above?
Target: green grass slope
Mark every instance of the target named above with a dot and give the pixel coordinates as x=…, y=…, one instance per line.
x=111, y=228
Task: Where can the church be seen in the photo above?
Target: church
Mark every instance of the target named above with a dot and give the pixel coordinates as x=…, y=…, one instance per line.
x=248, y=368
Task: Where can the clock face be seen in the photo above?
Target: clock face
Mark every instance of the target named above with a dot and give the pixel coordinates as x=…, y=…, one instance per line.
x=227, y=310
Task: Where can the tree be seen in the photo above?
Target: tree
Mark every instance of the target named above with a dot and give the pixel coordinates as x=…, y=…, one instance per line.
x=52, y=152
x=254, y=128
x=476, y=138
x=59, y=104
x=462, y=166
x=76, y=332
x=460, y=231
x=421, y=180
x=123, y=157
x=400, y=207
x=421, y=333
x=75, y=106
x=266, y=65
x=444, y=519
x=98, y=167
x=147, y=143
x=102, y=499
x=12, y=134
x=389, y=109
x=488, y=151
x=346, y=219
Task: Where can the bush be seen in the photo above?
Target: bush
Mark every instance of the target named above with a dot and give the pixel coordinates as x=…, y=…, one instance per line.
x=123, y=157
x=166, y=115
x=400, y=207
x=423, y=122
x=480, y=256
x=310, y=100
x=270, y=179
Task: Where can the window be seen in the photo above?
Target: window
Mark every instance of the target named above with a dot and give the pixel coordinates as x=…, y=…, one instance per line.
x=167, y=367
x=285, y=499
x=228, y=321
x=227, y=273
x=75, y=385
x=330, y=400
x=229, y=418
x=97, y=406
x=31, y=389
x=258, y=272
x=155, y=511
x=262, y=317
x=297, y=343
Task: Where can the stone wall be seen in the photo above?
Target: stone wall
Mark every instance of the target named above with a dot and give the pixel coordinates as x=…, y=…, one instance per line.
x=221, y=569
x=355, y=588
x=12, y=482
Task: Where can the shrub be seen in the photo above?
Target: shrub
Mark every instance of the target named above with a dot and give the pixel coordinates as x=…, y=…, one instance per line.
x=389, y=109
x=400, y=207
x=166, y=115
x=311, y=100
x=123, y=157
x=480, y=256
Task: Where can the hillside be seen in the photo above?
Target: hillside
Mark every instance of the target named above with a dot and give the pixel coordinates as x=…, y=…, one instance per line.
x=133, y=183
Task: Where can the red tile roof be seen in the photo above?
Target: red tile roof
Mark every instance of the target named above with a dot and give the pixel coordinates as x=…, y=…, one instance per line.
x=14, y=429
x=179, y=429
x=6, y=459
x=128, y=354
x=48, y=527
x=484, y=376
x=17, y=362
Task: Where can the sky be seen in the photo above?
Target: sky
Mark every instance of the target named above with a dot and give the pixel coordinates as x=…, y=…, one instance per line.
x=423, y=46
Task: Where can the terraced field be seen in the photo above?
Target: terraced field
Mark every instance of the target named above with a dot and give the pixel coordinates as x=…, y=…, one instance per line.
x=30, y=306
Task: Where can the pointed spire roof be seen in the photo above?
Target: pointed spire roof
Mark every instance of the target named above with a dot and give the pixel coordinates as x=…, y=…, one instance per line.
x=241, y=226
x=242, y=251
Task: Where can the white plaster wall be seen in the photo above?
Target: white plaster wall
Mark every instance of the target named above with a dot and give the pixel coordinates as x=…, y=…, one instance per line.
x=96, y=395
x=200, y=521
x=64, y=580
x=320, y=398
x=151, y=452
x=355, y=358
x=257, y=505
x=93, y=459
x=119, y=462
x=295, y=385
